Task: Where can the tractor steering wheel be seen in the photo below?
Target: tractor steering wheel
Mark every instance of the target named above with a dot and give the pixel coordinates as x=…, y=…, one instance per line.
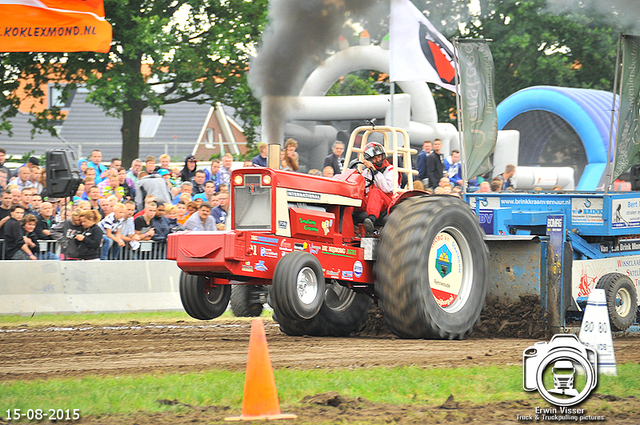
x=354, y=166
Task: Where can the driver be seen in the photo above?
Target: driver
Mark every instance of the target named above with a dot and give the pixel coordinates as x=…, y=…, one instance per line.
x=379, y=190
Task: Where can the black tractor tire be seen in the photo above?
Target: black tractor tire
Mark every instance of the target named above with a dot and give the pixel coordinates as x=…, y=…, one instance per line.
x=622, y=300
x=341, y=314
x=432, y=246
x=243, y=303
x=202, y=300
x=298, y=286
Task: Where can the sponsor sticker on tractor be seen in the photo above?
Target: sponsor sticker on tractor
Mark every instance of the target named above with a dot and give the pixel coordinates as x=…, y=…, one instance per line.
x=445, y=269
x=357, y=269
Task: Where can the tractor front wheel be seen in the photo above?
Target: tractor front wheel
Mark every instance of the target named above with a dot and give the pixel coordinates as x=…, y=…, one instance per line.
x=297, y=286
x=432, y=268
x=201, y=299
x=622, y=301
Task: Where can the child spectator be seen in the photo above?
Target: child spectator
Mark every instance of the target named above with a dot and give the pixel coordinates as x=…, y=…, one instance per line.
x=291, y=157
x=28, y=224
x=185, y=188
x=82, y=166
x=260, y=160
x=90, y=238
x=327, y=171
x=111, y=239
x=79, y=192
x=165, y=161
x=150, y=165
x=65, y=233
x=181, y=212
x=171, y=217
x=110, y=185
x=128, y=229
x=126, y=184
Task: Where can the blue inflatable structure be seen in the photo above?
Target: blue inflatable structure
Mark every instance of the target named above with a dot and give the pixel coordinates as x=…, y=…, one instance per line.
x=566, y=125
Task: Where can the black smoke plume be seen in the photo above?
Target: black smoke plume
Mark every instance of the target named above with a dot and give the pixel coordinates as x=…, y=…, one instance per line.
x=296, y=39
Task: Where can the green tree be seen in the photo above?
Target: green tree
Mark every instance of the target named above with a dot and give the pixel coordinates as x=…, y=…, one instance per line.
x=163, y=52
x=567, y=43
x=536, y=45
x=358, y=83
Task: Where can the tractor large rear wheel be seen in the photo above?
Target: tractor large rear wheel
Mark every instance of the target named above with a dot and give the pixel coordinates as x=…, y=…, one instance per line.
x=342, y=312
x=432, y=268
x=201, y=299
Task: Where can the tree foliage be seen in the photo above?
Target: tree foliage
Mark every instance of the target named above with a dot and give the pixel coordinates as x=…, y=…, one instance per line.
x=358, y=83
x=534, y=44
x=198, y=50
x=565, y=43
x=163, y=52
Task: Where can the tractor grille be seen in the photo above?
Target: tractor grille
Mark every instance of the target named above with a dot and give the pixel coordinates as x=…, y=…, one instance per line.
x=252, y=205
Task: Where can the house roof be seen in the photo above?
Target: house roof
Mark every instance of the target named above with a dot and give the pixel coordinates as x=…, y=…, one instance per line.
x=21, y=142
x=178, y=129
x=87, y=127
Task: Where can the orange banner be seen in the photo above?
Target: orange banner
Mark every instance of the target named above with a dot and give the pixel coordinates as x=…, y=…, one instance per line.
x=53, y=26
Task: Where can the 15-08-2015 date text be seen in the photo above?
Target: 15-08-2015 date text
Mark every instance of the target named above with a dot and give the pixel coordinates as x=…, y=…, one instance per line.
x=42, y=414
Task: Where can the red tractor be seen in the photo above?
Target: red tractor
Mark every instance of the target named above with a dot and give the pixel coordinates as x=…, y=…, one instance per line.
x=301, y=236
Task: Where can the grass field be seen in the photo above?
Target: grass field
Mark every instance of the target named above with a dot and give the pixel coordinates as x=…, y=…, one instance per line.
x=127, y=394
x=406, y=385
x=97, y=319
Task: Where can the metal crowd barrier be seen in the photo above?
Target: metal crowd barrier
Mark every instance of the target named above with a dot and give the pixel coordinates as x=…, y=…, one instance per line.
x=148, y=250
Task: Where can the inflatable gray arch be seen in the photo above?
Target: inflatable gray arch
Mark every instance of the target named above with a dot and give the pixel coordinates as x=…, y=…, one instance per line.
x=415, y=110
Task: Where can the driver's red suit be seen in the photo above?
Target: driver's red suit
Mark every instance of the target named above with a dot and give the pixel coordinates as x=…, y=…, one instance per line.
x=380, y=193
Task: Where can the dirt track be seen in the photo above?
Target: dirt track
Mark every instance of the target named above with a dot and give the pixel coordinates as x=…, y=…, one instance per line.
x=30, y=353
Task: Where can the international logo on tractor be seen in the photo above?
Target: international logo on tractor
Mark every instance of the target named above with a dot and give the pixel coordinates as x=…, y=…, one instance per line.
x=443, y=260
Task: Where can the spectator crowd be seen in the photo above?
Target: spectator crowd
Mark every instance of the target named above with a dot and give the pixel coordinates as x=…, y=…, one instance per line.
x=115, y=208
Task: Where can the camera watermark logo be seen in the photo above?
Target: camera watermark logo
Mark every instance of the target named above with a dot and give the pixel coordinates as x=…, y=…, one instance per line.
x=563, y=371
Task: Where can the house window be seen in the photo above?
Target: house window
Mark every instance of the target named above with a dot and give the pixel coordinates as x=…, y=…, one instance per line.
x=149, y=125
x=209, y=143
x=54, y=96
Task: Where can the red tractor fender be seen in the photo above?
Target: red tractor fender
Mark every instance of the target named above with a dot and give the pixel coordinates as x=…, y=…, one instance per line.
x=401, y=197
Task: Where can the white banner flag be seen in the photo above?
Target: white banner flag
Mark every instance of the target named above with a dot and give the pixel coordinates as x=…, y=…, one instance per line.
x=418, y=51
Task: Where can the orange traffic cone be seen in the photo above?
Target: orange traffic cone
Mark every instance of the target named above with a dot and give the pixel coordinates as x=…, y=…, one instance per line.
x=260, y=399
